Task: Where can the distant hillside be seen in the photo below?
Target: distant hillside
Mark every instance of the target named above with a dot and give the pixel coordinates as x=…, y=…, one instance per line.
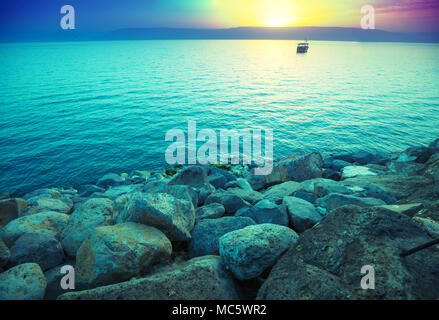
x=290, y=33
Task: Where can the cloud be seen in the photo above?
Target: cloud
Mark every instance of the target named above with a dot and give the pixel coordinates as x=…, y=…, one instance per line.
x=407, y=5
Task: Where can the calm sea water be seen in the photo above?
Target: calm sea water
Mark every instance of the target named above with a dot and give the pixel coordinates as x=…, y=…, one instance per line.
x=71, y=112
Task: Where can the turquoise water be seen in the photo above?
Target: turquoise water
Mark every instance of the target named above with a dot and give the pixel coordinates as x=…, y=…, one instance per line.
x=71, y=112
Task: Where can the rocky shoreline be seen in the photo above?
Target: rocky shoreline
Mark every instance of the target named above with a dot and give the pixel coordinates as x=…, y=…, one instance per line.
x=220, y=232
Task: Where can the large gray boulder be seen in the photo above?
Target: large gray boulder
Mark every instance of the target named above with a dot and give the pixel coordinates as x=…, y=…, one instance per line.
x=202, y=278
x=327, y=260
x=210, y=211
x=95, y=212
x=335, y=200
x=297, y=167
x=277, y=192
x=116, y=253
x=48, y=223
x=230, y=200
x=248, y=252
x=265, y=211
x=303, y=215
x=174, y=217
x=41, y=249
x=23, y=282
x=194, y=176
x=207, y=232
x=179, y=191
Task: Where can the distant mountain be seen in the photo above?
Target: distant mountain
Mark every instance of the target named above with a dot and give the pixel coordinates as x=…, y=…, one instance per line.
x=290, y=33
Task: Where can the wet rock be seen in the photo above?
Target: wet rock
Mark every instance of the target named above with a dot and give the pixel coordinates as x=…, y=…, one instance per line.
x=5, y=254
x=407, y=209
x=335, y=200
x=91, y=214
x=174, y=217
x=230, y=200
x=23, y=282
x=243, y=184
x=331, y=174
x=116, y=253
x=434, y=146
x=114, y=192
x=303, y=215
x=248, y=252
x=277, y=192
x=210, y=211
x=418, y=154
x=88, y=189
x=339, y=164
x=265, y=211
x=308, y=185
x=207, y=232
x=356, y=171
x=41, y=249
x=194, y=176
x=110, y=180
x=201, y=278
x=326, y=261
x=363, y=157
x=11, y=209
x=250, y=196
x=48, y=223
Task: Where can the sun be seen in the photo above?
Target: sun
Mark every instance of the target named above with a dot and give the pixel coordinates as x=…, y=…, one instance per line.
x=279, y=13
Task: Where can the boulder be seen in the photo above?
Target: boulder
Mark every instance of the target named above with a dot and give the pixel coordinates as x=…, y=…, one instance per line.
x=48, y=223
x=356, y=171
x=230, y=200
x=5, y=254
x=373, y=191
x=335, y=200
x=194, y=176
x=434, y=146
x=408, y=209
x=88, y=189
x=265, y=211
x=53, y=279
x=248, y=252
x=363, y=157
x=210, y=211
x=303, y=215
x=308, y=185
x=250, y=196
x=179, y=191
x=113, y=193
x=243, y=184
x=37, y=205
x=116, y=253
x=431, y=227
x=404, y=168
x=305, y=196
x=110, y=180
x=337, y=165
x=217, y=180
x=41, y=249
x=202, y=278
x=278, y=192
x=23, y=282
x=324, y=187
x=418, y=154
x=174, y=217
x=207, y=232
x=399, y=186
x=95, y=212
x=297, y=167
x=326, y=261
x=11, y=209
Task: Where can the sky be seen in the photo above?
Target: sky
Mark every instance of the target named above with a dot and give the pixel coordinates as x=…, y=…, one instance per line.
x=107, y=15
